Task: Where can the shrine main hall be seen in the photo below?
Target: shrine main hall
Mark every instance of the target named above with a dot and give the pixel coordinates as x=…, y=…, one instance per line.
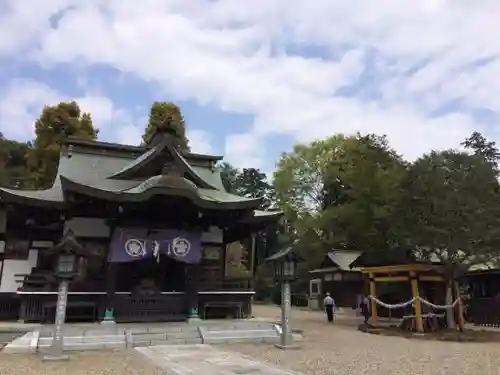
x=165, y=240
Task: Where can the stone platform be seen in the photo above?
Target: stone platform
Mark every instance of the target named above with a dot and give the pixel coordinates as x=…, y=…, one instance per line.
x=81, y=337
x=206, y=360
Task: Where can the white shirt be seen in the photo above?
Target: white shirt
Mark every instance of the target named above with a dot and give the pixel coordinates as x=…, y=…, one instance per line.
x=328, y=301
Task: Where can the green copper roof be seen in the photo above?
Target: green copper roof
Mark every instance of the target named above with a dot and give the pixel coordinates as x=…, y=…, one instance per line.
x=98, y=167
x=259, y=216
x=135, y=164
x=52, y=196
x=101, y=169
x=138, y=191
x=161, y=154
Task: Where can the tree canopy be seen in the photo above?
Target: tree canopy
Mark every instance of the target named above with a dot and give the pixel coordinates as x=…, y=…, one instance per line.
x=339, y=192
x=54, y=126
x=167, y=117
x=13, y=168
x=450, y=209
x=484, y=148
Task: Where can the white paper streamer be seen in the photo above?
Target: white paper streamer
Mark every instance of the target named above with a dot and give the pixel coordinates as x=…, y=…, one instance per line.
x=404, y=304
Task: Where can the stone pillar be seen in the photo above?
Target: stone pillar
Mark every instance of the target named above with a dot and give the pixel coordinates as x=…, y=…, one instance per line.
x=57, y=347
x=286, y=339
x=191, y=291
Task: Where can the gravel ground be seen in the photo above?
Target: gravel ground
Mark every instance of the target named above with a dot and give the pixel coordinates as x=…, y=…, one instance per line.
x=341, y=349
x=87, y=363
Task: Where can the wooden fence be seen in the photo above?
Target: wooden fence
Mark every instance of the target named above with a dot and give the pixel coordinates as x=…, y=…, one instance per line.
x=484, y=311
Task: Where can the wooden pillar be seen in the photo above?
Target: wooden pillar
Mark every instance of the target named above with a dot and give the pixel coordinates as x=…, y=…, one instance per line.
x=373, y=304
x=460, y=307
x=418, y=305
x=191, y=290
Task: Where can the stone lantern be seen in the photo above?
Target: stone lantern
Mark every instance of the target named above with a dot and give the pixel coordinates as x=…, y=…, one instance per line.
x=284, y=272
x=68, y=252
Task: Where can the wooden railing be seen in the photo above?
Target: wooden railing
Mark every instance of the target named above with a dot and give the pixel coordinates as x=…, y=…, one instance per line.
x=167, y=306
x=40, y=308
x=242, y=300
x=484, y=311
x=236, y=285
x=9, y=307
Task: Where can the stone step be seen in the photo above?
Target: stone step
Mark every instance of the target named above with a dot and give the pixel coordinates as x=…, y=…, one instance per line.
x=165, y=336
x=239, y=333
x=163, y=329
x=238, y=326
x=190, y=341
x=241, y=339
x=83, y=346
x=47, y=341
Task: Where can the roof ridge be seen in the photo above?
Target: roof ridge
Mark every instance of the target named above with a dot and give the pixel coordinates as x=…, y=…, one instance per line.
x=77, y=141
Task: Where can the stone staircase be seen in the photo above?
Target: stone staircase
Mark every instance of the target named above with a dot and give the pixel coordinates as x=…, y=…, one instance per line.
x=174, y=335
x=120, y=337
x=242, y=331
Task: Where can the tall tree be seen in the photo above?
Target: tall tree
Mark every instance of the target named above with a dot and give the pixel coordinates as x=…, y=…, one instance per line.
x=228, y=176
x=247, y=182
x=252, y=183
x=339, y=192
x=450, y=211
x=55, y=125
x=366, y=174
x=13, y=169
x=484, y=148
x=166, y=117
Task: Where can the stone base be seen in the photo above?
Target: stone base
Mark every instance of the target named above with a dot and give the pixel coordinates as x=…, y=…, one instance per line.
x=56, y=358
x=287, y=347
x=194, y=320
x=108, y=322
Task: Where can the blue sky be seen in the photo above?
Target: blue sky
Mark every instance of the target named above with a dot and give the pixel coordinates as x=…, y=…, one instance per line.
x=253, y=78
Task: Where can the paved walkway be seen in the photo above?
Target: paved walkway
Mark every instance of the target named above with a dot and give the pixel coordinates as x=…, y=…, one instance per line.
x=206, y=360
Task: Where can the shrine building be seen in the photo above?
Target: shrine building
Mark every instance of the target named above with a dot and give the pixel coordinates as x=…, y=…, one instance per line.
x=165, y=240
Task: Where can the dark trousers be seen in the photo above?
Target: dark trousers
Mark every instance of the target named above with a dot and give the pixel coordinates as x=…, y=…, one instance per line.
x=366, y=314
x=329, y=312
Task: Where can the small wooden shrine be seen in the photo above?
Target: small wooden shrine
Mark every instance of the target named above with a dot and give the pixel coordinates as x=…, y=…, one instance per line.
x=165, y=240
x=335, y=276
x=481, y=285
x=407, y=279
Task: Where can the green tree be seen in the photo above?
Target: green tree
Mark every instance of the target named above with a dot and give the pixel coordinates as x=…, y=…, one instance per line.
x=480, y=146
x=247, y=182
x=450, y=211
x=252, y=183
x=55, y=125
x=339, y=193
x=167, y=117
x=228, y=176
x=13, y=169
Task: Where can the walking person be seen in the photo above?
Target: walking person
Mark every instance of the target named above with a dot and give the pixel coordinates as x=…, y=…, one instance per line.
x=365, y=309
x=329, y=306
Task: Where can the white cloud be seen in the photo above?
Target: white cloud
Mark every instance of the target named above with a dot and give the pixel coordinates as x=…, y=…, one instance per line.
x=21, y=103
x=129, y=135
x=231, y=53
x=23, y=100
x=200, y=141
x=244, y=150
